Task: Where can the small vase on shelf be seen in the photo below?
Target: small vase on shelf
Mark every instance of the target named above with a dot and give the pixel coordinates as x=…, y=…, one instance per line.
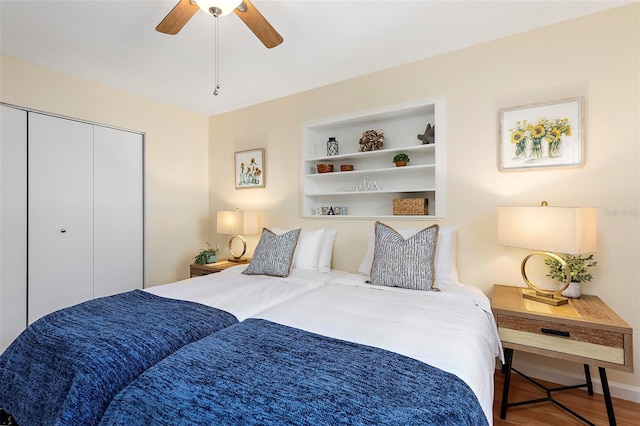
x=332, y=147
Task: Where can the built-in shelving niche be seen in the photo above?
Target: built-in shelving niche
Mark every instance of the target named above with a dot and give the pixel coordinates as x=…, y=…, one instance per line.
x=368, y=191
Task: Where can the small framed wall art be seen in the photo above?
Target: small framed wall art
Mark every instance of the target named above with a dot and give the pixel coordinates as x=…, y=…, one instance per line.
x=249, y=169
x=542, y=135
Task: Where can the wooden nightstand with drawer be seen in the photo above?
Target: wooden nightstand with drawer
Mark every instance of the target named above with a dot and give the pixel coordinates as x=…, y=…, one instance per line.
x=585, y=330
x=211, y=268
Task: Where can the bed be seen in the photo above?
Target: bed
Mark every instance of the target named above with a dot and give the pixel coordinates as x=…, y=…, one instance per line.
x=400, y=343
x=350, y=352
x=66, y=367
x=345, y=353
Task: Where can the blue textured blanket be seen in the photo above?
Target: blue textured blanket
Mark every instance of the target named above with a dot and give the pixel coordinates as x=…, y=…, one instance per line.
x=66, y=367
x=261, y=373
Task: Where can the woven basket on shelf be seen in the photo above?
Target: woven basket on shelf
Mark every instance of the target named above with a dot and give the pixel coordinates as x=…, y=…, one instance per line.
x=324, y=168
x=410, y=206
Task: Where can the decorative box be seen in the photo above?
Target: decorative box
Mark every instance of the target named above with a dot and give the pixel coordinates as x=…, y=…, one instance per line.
x=411, y=206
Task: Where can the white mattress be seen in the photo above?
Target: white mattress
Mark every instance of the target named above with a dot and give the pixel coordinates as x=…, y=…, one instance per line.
x=453, y=330
x=243, y=295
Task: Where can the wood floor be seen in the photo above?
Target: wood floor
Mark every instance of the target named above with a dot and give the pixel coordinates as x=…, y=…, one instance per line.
x=546, y=413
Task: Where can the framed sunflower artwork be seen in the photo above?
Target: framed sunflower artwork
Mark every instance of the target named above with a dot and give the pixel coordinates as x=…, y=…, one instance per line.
x=249, y=169
x=542, y=135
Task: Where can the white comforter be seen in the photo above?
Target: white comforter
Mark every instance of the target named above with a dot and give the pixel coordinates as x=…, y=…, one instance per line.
x=243, y=295
x=452, y=329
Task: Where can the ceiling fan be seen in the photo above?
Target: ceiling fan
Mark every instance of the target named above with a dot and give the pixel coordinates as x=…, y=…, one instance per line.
x=185, y=9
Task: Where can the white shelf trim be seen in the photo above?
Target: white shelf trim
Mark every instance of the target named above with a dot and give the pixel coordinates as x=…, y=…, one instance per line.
x=394, y=169
x=380, y=152
x=382, y=191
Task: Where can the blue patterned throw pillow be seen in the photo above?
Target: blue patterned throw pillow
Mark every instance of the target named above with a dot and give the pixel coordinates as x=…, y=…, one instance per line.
x=274, y=254
x=405, y=263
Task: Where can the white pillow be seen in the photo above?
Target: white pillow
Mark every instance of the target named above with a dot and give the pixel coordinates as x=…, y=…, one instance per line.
x=326, y=250
x=446, y=271
x=308, y=248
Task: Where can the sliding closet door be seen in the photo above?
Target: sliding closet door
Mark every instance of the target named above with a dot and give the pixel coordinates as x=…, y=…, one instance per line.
x=60, y=219
x=13, y=224
x=118, y=211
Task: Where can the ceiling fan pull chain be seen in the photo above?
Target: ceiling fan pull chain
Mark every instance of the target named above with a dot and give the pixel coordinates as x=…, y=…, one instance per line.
x=216, y=64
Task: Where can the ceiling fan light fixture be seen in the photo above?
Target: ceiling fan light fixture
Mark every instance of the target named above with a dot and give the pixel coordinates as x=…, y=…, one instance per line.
x=218, y=7
x=244, y=9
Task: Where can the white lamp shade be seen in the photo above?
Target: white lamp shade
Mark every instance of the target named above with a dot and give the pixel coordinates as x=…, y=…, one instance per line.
x=238, y=222
x=568, y=230
x=226, y=6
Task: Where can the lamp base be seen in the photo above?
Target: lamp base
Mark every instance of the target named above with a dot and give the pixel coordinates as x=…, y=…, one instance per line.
x=238, y=260
x=554, y=300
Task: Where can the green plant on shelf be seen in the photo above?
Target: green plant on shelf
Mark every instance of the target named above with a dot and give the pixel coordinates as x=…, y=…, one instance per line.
x=400, y=158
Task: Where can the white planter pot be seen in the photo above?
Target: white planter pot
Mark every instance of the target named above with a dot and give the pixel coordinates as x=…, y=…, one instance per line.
x=574, y=291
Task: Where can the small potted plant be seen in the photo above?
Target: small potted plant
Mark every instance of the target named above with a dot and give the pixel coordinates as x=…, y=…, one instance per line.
x=578, y=266
x=207, y=255
x=401, y=159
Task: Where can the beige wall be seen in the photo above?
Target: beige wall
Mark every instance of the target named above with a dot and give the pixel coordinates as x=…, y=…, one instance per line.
x=596, y=57
x=177, y=187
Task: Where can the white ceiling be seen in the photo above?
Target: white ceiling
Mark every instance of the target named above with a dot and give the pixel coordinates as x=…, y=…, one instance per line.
x=114, y=42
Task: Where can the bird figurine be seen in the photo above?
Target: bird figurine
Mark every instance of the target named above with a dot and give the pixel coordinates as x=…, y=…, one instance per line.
x=429, y=135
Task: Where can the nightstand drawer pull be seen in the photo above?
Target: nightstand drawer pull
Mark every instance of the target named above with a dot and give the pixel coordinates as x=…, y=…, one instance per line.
x=555, y=332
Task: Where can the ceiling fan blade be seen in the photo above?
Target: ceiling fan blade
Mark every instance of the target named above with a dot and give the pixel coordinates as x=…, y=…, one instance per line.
x=258, y=24
x=178, y=17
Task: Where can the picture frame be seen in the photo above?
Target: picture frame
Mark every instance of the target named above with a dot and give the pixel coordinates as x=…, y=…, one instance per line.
x=542, y=135
x=249, y=169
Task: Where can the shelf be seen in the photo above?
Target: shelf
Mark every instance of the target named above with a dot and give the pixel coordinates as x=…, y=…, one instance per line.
x=405, y=169
x=382, y=152
x=424, y=177
x=359, y=193
x=377, y=216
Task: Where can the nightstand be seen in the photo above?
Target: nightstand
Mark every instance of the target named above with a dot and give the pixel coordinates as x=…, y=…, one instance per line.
x=585, y=330
x=210, y=268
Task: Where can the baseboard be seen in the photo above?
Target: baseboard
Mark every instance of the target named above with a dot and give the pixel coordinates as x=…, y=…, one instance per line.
x=618, y=390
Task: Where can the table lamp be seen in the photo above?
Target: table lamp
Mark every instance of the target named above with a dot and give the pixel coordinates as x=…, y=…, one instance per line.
x=568, y=230
x=238, y=223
